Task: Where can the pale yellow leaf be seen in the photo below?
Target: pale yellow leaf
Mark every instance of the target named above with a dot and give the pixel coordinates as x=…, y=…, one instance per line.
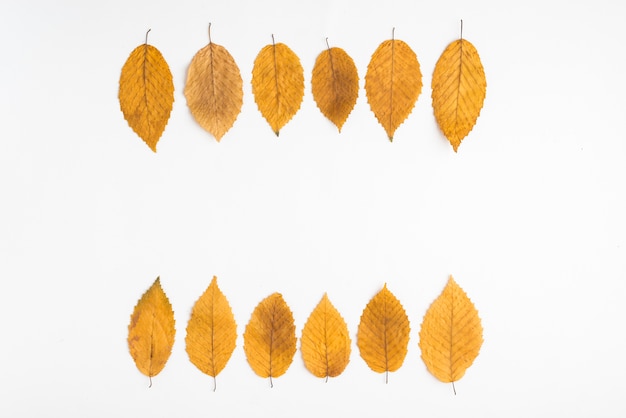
x=277, y=84
x=451, y=334
x=335, y=85
x=146, y=93
x=393, y=83
x=269, y=340
x=151, y=331
x=459, y=88
x=211, y=331
x=325, y=342
x=214, y=89
x=383, y=334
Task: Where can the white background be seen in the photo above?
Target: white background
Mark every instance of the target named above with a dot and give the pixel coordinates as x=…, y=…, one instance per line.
x=529, y=215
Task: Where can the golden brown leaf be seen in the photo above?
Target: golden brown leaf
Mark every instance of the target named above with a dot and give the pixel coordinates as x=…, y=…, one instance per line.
x=451, y=334
x=151, y=331
x=325, y=342
x=146, y=93
x=214, y=89
x=277, y=84
x=393, y=83
x=335, y=85
x=211, y=331
x=270, y=337
x=459, y=88
x=383, y=334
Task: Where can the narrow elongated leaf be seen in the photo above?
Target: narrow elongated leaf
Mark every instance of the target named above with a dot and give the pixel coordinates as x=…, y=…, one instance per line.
x=146, y=93
x=335, y=85
x=383, y=334
x=277, y=84
x=459, y=88
x=151, y=331
x=214, y=89
x=270, y=337
x=325, y=342
x=393, y=83
x=211, y=331
x=451, y=334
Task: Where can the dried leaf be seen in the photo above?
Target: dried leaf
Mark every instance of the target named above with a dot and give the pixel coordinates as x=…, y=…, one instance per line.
x=151, y=331
x=325, y=342
x=214, y=89
x=393, y=83
x=277, y=84
x=146, y=93
x=270, y=337
x=211, y=331
x=459, y=87
x=383, y=334
x=335, y=85
x=451, y=334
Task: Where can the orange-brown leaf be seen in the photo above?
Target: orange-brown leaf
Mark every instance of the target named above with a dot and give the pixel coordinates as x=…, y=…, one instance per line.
x=459, y=88
x=277, y=84
x=214, y=89
x=325, y=343
x=451, y=334
x=146, y=93
x=393, y=83
x=383, y=334
x=151, y=331
x=270, y=337
x=211, y=331
x=335, y=85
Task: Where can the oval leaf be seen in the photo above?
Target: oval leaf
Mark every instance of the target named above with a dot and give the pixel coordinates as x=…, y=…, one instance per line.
x=383, y=335
x=325, y=342
x=211, y=331
x=277, y=84
x=459, y=88
x=393, y=83
x=451, y=334
x=214, y=89
x=146, y=93
x=335, y=85
x=270, y=337
x=151, y=331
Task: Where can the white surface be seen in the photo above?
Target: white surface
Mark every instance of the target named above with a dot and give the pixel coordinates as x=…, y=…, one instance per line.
x=528, y=216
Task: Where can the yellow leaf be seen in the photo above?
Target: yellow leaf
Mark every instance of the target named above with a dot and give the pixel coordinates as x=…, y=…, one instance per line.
x=270, y=337
x=325, y=342
x=151, y=331
x=277, y=84
x=393, y=83
x=335, y=85
x=383, y=334
x=451, y=334
x=146, y=93
x=214, y=89
x=211, y=331
x=459, y=87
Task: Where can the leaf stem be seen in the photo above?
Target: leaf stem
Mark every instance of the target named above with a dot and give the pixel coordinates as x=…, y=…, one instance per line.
x=209, y=32
x=147, y=36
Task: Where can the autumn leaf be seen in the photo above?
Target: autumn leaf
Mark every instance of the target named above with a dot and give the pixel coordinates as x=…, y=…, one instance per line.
x=151, y=331
x=459, y=88
x=277, y=84
x=451, y=334
x=393, y=83
x=146, y=93
x=325, y=342
x=269, y=340
x=383, y=334
x=211, y=331
x=335, y=84
x=214, y=89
